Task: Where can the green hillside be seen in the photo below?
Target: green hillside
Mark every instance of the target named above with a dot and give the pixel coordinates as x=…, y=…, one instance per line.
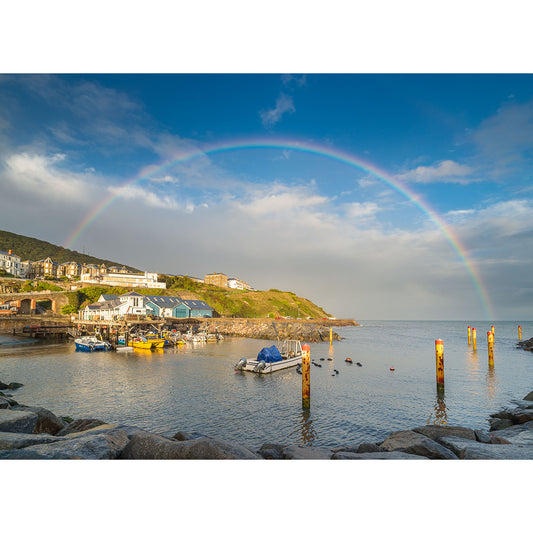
x=35, y=249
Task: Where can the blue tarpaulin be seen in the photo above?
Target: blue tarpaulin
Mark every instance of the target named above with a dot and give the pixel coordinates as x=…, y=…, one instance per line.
x=269, y=355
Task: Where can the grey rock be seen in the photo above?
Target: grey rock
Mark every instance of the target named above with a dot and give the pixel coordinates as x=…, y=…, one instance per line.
x=3, y=386
x=4, y=404
x=369, y=447
x=528, y=397
x=17, y=421
x=499, y=423
x=377, y=455
x=517, y=416
x=15, y=385
x=12, y=441
x=416, y=443
x=81, y=424
x=494, y=439
x=97, y=446
x=144, y=445
x=482, y=436
x=351, y=449
x=186, y=435
x=467, y=449
x=271, y=451
x=518, y=434
x=47, y=422
x=306, y=452
x=435, y=431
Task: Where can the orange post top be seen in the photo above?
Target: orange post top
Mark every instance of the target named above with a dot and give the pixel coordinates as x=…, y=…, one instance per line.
x=306, y=348
x=439, y=341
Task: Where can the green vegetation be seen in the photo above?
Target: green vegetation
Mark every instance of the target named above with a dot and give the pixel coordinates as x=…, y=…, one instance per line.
x=35, y=249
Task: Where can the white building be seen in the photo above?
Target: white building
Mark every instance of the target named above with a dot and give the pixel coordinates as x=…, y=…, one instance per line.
x=236, y=283
x=108, y=307
x=12, y=264
x=147, y=280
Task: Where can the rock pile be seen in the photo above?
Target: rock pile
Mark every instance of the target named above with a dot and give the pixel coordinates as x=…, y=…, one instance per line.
x=526, y=345
x=36, y=433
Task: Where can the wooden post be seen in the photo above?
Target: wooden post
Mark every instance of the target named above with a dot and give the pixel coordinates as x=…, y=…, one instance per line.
x=330, y=335
x=519, y=333
x=474, y=339
x=306, y=376
x=469, y=335
x=490, y=344
x=439, y=359
x=492, y=330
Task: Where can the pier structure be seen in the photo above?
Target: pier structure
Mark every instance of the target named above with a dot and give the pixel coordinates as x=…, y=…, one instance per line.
x=26, y=302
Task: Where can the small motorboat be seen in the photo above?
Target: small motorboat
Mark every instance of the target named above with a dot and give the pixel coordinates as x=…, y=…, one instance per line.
x=273, y=358
x=146, y=344
x=89, y=343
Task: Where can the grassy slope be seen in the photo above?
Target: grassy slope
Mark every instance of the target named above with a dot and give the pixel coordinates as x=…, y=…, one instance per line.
x=35, y=249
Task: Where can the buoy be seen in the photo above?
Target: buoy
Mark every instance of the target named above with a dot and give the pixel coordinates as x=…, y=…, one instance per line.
x=392, y=369
x=359, y=364
x=348, y=360
x=330, y=359
x=336, y=371
x=321, y=358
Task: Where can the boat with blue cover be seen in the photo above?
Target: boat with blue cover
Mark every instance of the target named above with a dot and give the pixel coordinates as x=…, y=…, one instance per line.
x=89, y=343
x=272, y=358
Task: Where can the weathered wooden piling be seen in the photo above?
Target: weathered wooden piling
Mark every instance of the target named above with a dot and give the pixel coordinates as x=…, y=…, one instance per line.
x=519, y=333
x=490, y=345
x=439, y=360
x=330, y=335
x=474, y=339
x=306, y=376
x=469, y=335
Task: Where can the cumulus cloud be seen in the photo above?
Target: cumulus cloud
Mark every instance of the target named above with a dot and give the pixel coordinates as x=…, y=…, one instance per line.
x=284, y=104
x=362, y=210
x=149, y=198
x=445, y=171
x=294, y=79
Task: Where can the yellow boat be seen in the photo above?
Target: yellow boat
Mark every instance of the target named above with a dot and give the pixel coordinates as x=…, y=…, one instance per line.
x=147, y=344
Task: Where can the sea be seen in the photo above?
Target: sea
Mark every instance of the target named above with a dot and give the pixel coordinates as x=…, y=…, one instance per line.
x=195, y=388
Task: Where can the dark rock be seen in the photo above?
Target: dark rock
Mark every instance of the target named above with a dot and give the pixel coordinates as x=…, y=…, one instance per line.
x=468, y=449
x=306, y=452
x=517, y=416
x=185, y=435
x=529, y=397
x=3, y=386
x=435, y=431
x=47, y=422
x=12, y=441
x=376, y=455
x=82, y=424
x=499, y=423
x=4, y=404
x=144, y=445
x=17, y=421
x=271, y=451
x=482, y=436
x=518, y=434
x=416, y=443
x=369, y=447
x=14, y=386
x=495, y=439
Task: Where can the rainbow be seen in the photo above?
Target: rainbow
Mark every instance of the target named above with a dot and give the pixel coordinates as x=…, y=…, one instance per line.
x=303, y=147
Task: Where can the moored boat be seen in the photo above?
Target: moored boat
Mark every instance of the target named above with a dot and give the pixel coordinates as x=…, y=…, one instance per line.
x=147, y=344
x=89, y=343
x=273, y=358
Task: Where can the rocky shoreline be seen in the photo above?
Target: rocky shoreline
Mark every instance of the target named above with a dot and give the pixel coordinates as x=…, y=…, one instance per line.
x=36, y=433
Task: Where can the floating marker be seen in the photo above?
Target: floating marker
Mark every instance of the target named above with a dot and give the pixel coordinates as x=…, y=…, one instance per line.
x=330, y=335
x=492, y=329
x=490, y=345
x=391, y=369
x=474, y=340
x=469, y=335
x=519, y=333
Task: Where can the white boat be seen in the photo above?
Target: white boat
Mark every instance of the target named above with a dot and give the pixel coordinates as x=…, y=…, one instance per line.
x=89, y=343
x=290, y=352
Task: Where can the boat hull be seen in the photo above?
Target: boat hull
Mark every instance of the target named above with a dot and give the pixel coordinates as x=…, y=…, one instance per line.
x=251, y=365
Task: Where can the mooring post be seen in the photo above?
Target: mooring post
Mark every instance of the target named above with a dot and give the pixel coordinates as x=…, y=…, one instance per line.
x=439, y=359
x=306, y=376
x=469, y=335
x=490, y=344
x=519, y=333
x=492, y=330
x=330, y=335
x=474, y=339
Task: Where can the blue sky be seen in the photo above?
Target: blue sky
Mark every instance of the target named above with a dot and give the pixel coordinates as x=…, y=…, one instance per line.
x=277, y=217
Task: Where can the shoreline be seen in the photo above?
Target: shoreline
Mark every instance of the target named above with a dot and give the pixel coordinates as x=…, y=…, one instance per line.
x=28, y=432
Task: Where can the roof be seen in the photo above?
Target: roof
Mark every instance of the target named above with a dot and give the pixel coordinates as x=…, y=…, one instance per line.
x=164, y=301
x=108, y=297
x=131, y=293
x=197, y=304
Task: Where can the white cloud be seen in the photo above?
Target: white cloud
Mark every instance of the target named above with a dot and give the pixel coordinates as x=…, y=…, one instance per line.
x=362, y=210
x=284, y=105
x=445, y=171
x=292, y=79
x=149, y=198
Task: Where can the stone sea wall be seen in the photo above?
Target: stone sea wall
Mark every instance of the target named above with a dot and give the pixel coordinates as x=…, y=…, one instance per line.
x=36, y=433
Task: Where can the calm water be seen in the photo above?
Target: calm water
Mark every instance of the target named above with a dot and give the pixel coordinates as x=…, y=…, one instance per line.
x=194, y=388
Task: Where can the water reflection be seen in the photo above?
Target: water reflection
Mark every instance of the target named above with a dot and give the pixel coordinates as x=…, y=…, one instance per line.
x=491, y=382
x=440, y=411
x=331, y=350
x=306, y=427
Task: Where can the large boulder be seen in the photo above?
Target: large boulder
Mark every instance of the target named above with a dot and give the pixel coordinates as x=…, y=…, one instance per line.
x=434, y=432
x=47, y=422
x=4, y=404
x=12, y=441
x=81, y=424
x=499, y=423
x=518, y=434
x=528, y=397
x=516, y=416
x=377, y=455
x=306, y=452
x=144, y=445
x=271, y=451
x=17, y=421
x=415, y=443
x=107, y=445
x=468, y=449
